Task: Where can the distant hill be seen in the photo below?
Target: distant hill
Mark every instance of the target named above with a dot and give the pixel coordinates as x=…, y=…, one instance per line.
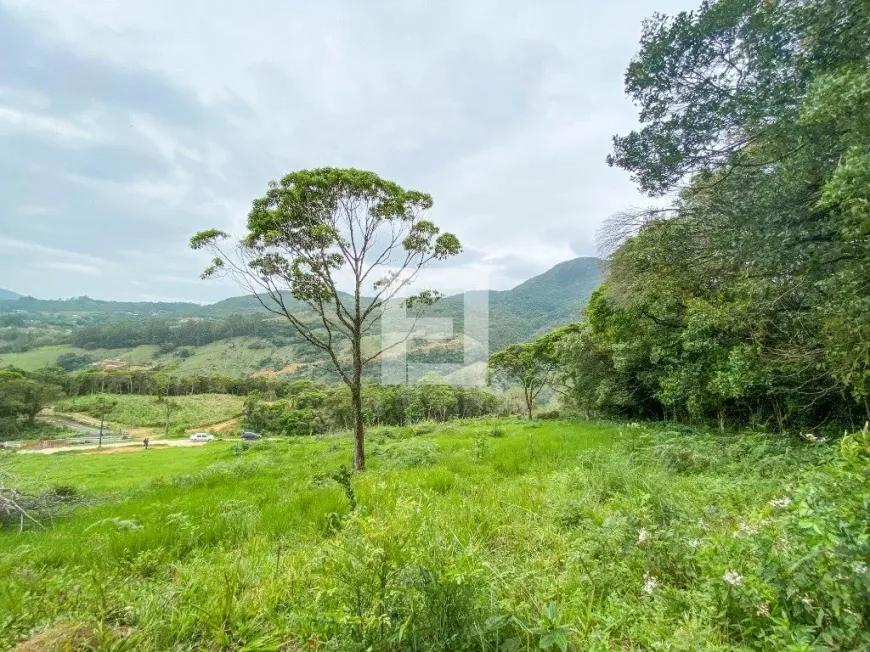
x=535, y=306
x=88, y=306
x=193, y=338
x=6, y=295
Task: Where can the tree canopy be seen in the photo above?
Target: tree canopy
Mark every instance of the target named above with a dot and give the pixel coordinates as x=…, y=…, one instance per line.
x=747, y=300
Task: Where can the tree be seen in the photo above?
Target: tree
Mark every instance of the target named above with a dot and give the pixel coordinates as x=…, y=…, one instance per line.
x=533, y=365
x=21, y=395
x=745, y=302
x=170, y=406
x=315, y=228
x=101, y=407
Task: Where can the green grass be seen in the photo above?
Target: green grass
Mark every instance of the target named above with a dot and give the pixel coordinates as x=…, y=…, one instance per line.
x=46, y=356
x=234, y=357
x=551, y=535
x=145, y=411
x=34, y=359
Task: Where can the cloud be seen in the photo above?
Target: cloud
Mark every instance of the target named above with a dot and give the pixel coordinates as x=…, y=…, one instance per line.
x=36, y=248
x=77, y=268
x=132, y=124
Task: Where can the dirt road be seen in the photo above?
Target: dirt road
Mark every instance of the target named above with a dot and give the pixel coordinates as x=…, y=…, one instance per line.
x=128, y=445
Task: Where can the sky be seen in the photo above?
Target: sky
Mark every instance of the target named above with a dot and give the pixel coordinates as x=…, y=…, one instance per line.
x=128, y=125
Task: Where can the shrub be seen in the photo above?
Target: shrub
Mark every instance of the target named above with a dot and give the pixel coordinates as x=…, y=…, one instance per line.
x=409, y=454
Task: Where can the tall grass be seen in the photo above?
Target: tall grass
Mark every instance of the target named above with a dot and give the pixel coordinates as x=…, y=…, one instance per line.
x=550, y=536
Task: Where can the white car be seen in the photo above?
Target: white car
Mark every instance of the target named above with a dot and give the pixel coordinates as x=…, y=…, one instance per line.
x=201, y=436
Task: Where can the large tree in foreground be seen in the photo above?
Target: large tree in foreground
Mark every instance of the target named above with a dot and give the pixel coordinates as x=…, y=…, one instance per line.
x=316, y=230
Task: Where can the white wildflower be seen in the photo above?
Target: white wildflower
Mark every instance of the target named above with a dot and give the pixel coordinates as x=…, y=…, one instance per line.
x=812, y=438
x=807, y=600
x=650, y=584
x=744, y=529
x=694, y=543
x=781, y=503
x=763, y=610
x=732, y=578
x=860, y=568
x=642, y=535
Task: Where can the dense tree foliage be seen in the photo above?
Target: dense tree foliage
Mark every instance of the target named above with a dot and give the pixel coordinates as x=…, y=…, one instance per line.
x=160, y=331
x=747, y=301
x=21, y=398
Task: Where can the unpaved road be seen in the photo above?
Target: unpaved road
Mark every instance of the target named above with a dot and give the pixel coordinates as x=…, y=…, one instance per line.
x=131, y=446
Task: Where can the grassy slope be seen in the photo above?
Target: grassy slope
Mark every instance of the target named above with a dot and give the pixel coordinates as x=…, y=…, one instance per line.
x=462, y=541
x=234, y=357
x=46, y=356
x=144, y=411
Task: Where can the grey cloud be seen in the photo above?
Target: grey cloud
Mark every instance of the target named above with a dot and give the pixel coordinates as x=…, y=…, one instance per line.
x=74, y=82
x=503, y=110
x=108, y=162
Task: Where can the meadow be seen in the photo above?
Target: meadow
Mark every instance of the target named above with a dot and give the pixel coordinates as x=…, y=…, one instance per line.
x=134, y=411
x=477, y=535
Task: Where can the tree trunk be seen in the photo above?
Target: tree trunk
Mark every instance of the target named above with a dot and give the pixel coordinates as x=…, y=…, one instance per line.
x=529, y=401
x=102, y=419
x=359, y=453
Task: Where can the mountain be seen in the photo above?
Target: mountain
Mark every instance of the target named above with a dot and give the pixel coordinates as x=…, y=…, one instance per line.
x=6, y=295
x=551, y=299
x=237, y=336
x=88, y=306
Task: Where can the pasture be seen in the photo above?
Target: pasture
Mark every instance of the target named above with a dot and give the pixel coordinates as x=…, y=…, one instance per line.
x=479, y=535
x=134, y=411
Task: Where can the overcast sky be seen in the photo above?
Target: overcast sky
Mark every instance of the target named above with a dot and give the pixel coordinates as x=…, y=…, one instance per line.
x=128, y=125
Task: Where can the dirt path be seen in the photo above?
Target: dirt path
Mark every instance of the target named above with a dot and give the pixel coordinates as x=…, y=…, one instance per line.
x=216, y=428
x=119, y=447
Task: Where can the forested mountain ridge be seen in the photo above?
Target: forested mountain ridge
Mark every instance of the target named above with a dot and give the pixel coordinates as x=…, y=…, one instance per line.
x=8, y=294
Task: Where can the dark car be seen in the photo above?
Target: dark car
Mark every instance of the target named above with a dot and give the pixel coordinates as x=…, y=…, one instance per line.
x=251, y=435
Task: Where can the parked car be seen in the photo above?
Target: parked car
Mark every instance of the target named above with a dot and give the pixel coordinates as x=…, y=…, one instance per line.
x=251, y=435
x=201, y=436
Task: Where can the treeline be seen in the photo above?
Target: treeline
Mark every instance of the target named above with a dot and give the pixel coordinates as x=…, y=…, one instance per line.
x=130, y=333
x=308, y=408
x=154, y=383
x=746, y=302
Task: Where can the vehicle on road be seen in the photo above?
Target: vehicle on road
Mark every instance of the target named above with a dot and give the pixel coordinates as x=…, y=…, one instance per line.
x=201, y=436
x=251, y=435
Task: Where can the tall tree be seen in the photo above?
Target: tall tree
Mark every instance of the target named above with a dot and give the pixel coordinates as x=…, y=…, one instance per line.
x=315, y=231
x=102, y=406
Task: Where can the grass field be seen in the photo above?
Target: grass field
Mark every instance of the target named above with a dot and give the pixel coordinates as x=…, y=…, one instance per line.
x=46, y=356
x=132, y=411
x=34, y=359
x=467, y=536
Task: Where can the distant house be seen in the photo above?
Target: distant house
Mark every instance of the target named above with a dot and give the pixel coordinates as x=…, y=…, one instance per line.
x=109, y=365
